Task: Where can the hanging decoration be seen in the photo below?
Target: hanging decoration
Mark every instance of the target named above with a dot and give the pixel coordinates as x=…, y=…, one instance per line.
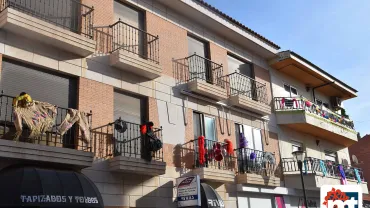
x=217, y=152
x=343, y=175
x=305, y=166
x=151, y=142
x=269, y=158
x=202, y=151
x=229, y=147
x=323, y=168
x=252, y=156
x=358, y=177
x=243, y=143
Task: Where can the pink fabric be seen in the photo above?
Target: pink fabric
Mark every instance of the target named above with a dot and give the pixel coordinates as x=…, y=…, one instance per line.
x=280, y=201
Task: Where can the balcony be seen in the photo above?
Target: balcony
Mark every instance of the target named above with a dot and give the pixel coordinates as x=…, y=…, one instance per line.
x=65, y=24
x=68, y=150
x=127, y=151
x=305, y=116
x=201, y=76
x=210, y=170
x=317, y=175
x=131, y=49
x=256, y=167
x=247, y=93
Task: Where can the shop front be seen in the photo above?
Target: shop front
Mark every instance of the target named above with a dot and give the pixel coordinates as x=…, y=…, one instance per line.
x=38, y=187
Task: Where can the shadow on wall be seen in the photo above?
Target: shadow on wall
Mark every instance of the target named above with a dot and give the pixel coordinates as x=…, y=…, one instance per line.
x=162, y=196
x=183, y=158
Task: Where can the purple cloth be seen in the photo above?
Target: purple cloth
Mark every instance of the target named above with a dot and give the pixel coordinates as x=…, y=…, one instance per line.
x=253, y=156
x=342, y=174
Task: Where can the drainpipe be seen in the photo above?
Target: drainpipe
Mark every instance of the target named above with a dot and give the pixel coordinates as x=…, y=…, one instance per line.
x=313, y=89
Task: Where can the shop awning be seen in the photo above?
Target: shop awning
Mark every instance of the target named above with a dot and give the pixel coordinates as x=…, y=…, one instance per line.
x=39, y=187
x=210, y=198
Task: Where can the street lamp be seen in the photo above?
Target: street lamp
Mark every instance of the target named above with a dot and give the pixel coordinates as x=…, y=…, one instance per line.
x=299, y=156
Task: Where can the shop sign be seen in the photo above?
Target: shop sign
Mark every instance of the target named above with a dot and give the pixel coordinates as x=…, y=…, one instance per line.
x=58, y=199
x=341, y=196
x=188, y=191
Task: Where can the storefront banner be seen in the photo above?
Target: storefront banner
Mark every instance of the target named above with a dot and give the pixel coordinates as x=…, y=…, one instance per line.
x=188, y=191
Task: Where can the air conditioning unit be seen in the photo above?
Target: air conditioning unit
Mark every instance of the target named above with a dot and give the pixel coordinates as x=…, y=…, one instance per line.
x=336, y=102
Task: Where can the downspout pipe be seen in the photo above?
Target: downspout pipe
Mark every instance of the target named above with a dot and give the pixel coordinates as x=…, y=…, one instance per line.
x=323, y=85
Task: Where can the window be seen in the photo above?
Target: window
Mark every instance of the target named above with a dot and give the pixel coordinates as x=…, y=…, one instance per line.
x=242, y=67
x=130, y=108
x=198, y=66
x=253, y=136
x=292, y=90
x=296, y=146
x=330, y=156
x=204, y=125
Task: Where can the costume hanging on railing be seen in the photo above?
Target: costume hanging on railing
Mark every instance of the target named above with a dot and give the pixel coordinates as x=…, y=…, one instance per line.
x=151, y=142
x=358, y=177
x=305, y=166
x=82, y=120
x=38, y=116
x=342, y=175
x=120, y=125
x=323, y=168
x=229, y=147
x=217, y=152
x=202, y=151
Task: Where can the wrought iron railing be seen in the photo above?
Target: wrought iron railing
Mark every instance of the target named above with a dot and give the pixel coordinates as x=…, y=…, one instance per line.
x=312, y=165
x=301, y=103
x=122, y=36
x=71, y=139
x=110, y=142
x=255, y=161
x=239, y=84
x=196, y=67
x=192, y=148
x=67, y=14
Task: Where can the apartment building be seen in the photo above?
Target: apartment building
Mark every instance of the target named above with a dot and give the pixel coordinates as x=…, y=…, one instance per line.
x=310, y=116
x=183, y=65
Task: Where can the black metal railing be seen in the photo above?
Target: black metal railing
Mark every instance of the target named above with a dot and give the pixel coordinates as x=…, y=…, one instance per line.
x=240, y=84
x=110, y=142
x=71, y=139
x=255, y=161
x=135, y=40
x=67, y=14
x=301, y=103
x=192, y=148
x=312, y=165
x=196, y=67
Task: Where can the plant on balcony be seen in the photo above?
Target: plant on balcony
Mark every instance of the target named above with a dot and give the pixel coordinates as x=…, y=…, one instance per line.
x=343, y=113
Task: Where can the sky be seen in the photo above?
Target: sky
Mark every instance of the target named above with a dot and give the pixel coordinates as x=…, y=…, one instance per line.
x=332, y=34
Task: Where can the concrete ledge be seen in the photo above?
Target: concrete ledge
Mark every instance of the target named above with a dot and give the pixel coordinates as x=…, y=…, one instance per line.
x=315, y=125
x=250, y=104
x=215, y=175
x=131, y=62
x=203, y=88
x=45, y=154
x=251, y=178
x=40, y=30
x=136, y=165
x=315, y=181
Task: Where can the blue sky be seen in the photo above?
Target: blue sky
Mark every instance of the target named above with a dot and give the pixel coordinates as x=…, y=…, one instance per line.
x=333, y=34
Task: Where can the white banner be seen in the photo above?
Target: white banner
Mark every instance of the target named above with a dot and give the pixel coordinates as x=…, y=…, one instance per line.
x=188, y=191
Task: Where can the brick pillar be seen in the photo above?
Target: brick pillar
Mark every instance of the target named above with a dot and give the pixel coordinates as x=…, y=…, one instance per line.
x=98, y=98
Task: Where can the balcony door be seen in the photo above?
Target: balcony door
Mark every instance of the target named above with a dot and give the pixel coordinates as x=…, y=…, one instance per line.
x=198, y=65
x=129, y=35
x=244, y=84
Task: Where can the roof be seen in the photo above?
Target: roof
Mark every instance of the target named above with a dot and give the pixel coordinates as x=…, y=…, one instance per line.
x=318, y=68
x=237, y=23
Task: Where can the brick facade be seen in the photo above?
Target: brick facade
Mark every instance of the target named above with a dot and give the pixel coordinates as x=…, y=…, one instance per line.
x=172, y=41
x=103, y=11
x=263, y=76
x=361, y=150
x=219, y=56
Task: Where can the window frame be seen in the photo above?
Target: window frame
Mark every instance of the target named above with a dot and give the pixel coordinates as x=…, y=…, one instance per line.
x=202, y=125
x=207, y=48
x=297, y=144
x=238, y=125
x=290, y=89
